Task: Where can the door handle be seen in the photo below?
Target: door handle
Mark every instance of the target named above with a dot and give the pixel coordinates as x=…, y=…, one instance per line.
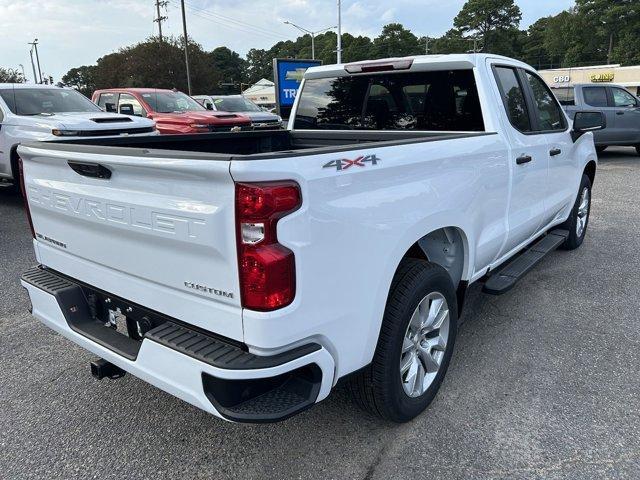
x=555, y=151
x=619, y=113
x=93, y=170
x=523, y=159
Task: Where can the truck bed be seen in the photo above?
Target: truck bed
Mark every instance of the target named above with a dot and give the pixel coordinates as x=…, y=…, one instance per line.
x=253, y=145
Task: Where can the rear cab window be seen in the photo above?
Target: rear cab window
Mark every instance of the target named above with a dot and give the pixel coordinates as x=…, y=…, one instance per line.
x=425, y=101
x=565, y=95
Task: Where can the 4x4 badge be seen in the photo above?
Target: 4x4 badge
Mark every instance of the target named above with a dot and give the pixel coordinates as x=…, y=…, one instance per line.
x=345, y=163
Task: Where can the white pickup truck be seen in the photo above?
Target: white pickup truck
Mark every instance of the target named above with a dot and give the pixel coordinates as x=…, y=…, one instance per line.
x=31, y=112
x=247, y=273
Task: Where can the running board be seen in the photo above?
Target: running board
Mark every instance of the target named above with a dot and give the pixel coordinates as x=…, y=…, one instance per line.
x=504, y=279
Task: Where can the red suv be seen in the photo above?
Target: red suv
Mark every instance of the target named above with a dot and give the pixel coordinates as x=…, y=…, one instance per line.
x=174, y=112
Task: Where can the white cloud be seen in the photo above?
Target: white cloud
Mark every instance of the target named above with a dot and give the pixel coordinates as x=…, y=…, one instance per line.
x=78, y=32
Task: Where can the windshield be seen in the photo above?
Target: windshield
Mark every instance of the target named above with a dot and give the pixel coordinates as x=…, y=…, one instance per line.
x=36, y=101
x=432, y=101
x=235, y=104
x=170, y=102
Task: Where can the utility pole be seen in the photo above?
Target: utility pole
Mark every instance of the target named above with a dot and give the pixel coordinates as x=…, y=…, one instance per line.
x=426, y=45
x=34, y=46
x=186, y=45
x=339, y=49
x=160, y=4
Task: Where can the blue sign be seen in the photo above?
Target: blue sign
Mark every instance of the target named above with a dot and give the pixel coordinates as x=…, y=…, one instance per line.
x=288, y=74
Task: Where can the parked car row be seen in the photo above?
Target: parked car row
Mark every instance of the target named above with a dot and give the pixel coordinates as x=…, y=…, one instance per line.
x=45, y=112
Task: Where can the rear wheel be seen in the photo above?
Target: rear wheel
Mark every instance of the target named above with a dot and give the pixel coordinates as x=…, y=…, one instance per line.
x=578, y=221
x=415, y=345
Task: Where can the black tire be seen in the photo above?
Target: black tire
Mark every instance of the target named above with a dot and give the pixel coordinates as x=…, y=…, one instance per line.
x=378, y=387
x=574, y=240
x=601, y=148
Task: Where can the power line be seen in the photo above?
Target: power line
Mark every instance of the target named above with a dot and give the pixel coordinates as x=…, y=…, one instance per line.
x=233, y=23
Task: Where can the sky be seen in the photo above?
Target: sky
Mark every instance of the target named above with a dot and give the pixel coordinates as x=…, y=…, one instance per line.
x=77, y=32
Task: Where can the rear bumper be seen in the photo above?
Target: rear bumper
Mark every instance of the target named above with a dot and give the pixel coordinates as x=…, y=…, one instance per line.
x=231, y=383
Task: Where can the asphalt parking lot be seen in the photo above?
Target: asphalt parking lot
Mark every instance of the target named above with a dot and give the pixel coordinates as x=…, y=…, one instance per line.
x=543, y=384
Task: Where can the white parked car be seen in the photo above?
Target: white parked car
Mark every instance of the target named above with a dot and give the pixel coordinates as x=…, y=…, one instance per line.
x=247, y=273
x=44, y=112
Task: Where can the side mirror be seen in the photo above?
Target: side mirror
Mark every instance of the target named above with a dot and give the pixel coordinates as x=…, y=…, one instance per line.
x=208, y=105
x=126, y=109
x=587, y=122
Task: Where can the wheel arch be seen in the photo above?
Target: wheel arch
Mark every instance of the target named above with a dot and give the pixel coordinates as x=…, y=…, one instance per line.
x=590, y=170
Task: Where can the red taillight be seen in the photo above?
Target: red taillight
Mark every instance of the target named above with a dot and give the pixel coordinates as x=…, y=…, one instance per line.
x=267, y=269
x=23, y=190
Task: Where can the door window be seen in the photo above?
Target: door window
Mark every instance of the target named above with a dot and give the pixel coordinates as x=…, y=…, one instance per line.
x=108, y=102
x=595, y=96
x=622, y=98
x=513, y=98
x=547, y=110
x=131, y=105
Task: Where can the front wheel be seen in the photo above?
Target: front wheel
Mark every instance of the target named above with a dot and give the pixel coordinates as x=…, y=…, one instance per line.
x=578, y=221
x=415, y=344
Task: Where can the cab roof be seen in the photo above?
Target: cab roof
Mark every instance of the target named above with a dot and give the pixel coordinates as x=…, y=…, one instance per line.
x=455, y=61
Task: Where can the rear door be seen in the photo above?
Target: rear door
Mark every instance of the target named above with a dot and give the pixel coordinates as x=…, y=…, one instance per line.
x=550, y=122
x=627, y=115
x=529, y=159
x=155, y=229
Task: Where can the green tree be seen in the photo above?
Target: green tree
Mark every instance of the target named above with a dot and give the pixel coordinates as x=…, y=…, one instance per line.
x=611, y=18
x=396, y=41
x=483, y=18
x=10, y=75
x=82, y=79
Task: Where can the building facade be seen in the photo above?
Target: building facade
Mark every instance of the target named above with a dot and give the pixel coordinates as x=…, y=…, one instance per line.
x=628, y=77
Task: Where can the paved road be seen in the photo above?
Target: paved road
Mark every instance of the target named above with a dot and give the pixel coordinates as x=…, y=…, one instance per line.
x=544, y=384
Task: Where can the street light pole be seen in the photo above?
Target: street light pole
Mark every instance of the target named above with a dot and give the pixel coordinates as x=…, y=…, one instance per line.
x=186, y=46
x=309, y=32
x=339, y=49
x=34, y=46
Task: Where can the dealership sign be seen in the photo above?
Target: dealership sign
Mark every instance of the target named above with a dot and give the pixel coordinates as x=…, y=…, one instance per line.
x=288, y=74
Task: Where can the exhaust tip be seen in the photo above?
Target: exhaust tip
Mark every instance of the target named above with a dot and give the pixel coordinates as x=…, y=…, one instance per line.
x=100, y=369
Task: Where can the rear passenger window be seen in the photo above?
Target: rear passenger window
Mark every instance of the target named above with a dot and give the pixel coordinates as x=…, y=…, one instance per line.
x=547, y=111
x=108, y=102
x=595, y=96
x=513, y=98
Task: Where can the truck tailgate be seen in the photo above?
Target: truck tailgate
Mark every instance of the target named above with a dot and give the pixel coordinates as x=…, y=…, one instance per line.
x=158, y=232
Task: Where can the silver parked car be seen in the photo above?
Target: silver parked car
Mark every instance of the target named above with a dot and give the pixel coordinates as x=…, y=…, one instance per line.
x=620, y=107
x=239, y=104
